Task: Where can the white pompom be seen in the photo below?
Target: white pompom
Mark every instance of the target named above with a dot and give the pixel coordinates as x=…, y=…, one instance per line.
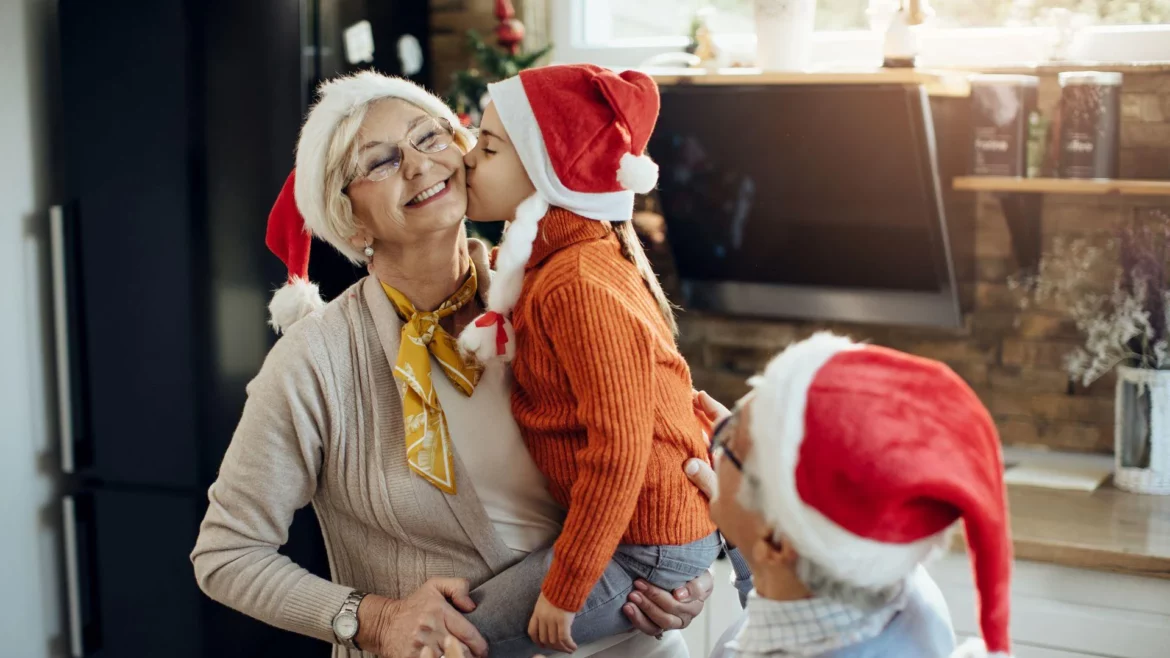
x=975, y=648
x=482, y=342
x=637, y=173
x=293, y=301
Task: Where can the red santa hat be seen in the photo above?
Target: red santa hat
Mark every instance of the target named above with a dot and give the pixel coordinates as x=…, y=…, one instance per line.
x=581, y=133
x=878, y=454
x=300, y=211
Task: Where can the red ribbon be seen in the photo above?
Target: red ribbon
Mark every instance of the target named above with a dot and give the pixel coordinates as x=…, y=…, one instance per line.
x=490, y=318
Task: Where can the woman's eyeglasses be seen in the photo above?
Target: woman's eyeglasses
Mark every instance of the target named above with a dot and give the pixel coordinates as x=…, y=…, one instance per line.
x=724, y=430
x=430, y=136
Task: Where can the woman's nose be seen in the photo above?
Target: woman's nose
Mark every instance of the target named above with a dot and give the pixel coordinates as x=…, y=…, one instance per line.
x=469, y=159
x=415, y=163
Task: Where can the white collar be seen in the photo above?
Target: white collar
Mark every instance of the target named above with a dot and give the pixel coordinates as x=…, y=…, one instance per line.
x=809, y=627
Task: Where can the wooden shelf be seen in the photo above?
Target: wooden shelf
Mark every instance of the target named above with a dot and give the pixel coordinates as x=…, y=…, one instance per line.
x=954, y=84
x=1098, y=186
x=1107, y=530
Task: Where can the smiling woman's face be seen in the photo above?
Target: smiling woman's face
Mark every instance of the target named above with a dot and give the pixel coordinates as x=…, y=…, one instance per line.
x=426, y=194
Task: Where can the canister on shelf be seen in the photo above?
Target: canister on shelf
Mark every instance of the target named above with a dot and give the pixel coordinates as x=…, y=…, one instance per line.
x=1090, y=122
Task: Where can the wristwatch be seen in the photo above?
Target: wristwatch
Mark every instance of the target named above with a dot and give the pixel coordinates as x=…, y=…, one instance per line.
x=345, y=624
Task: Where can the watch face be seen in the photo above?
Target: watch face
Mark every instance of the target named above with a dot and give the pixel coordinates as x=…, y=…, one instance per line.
x=345, y=626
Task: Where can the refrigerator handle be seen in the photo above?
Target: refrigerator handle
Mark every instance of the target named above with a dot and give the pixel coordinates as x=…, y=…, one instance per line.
x=73, y=577
x=67, y=314
x=61, y=339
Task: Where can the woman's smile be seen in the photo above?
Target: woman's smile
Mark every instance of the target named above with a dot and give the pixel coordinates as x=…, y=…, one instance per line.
x=431, y=194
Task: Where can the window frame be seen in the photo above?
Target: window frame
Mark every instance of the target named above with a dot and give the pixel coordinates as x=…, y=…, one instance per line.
x=963, y=48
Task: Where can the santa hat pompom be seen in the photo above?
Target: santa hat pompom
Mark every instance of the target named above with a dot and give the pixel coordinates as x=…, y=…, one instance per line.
x=293, y=301
x=488, y=338
x=637, y=173
x=976, y=648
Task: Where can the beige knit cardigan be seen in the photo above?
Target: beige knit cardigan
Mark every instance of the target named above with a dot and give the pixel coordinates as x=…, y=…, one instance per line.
x=323, y=425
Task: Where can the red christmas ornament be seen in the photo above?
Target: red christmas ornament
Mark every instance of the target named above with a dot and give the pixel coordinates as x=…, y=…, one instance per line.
x=509, y=31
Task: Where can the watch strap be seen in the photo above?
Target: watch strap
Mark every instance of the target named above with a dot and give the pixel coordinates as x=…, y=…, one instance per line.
x=350, y=606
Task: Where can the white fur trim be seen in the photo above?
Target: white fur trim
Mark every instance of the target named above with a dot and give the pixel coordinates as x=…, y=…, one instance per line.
x=514, y=253
x=638, y=173
x=975, y=648
x=480, y=343
x=777, y=429
x=507, y=283
x=339, y=98
x=293, y=301
x=524, y=133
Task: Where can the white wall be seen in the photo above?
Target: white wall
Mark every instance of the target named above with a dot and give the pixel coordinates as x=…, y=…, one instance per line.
x=30, y=581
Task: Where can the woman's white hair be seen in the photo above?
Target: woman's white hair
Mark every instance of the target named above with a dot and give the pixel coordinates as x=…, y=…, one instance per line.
x=327, y=153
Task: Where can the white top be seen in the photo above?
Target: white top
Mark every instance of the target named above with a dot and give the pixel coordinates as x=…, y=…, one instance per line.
x=510, y=487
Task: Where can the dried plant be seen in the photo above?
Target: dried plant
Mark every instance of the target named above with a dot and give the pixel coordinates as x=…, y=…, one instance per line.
x=1125, y=324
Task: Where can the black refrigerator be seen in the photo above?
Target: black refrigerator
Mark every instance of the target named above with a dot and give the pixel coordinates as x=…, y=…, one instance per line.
x=179, y=122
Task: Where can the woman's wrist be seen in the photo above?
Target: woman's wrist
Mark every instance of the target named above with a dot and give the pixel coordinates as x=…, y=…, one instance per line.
x=372, y=615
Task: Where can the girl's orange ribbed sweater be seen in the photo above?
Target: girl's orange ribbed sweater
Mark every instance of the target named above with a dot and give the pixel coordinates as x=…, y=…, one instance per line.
x=604, y=401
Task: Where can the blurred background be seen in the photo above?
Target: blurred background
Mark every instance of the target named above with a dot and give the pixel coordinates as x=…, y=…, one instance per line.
x=974, y=181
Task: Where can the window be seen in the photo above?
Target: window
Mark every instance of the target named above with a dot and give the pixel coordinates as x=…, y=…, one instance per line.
x=623, y=19
x=963, y=32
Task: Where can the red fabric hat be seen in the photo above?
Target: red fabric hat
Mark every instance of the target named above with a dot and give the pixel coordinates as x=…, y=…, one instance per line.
x=290, y=240
x=867, y=456
x=592, y=123
x=581, y=133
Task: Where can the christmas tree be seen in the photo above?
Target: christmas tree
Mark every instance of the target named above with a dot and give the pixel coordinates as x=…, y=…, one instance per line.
x=469, y=87
x=468, y=93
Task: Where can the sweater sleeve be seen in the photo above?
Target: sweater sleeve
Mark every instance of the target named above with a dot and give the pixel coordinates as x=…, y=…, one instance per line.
x=270, y=471
x=607, y=354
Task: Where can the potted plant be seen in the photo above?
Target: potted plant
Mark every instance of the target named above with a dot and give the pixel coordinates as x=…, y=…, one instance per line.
x=1125, y=330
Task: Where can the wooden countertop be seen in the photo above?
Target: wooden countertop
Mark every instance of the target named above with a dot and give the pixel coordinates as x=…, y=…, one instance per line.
x=937, y=83
x=1107, y=530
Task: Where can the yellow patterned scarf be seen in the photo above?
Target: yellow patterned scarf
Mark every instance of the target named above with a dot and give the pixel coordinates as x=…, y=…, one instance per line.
x=428, y=445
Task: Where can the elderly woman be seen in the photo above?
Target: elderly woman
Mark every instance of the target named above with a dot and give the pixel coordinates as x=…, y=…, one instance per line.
x=410, y=457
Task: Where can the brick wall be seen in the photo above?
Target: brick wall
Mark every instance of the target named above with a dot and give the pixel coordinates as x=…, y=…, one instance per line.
x=1012, y=358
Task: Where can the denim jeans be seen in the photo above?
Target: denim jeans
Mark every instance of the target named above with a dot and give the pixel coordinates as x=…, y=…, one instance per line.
x=505, y=603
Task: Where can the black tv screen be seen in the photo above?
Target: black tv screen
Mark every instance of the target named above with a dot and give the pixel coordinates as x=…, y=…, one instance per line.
x=805, y=201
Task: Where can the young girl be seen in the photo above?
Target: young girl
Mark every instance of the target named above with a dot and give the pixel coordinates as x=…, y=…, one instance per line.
x=602, y=395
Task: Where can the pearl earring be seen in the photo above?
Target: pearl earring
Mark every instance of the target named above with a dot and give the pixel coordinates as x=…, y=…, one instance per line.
x=369, y=251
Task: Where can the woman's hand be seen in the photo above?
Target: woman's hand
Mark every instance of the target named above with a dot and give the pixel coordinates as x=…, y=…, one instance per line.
x=702, y=476
x=423, y=621
x=653, y=610
x=551, y=627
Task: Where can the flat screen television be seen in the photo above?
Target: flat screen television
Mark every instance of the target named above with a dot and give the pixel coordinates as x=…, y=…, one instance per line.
x=809, y=202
